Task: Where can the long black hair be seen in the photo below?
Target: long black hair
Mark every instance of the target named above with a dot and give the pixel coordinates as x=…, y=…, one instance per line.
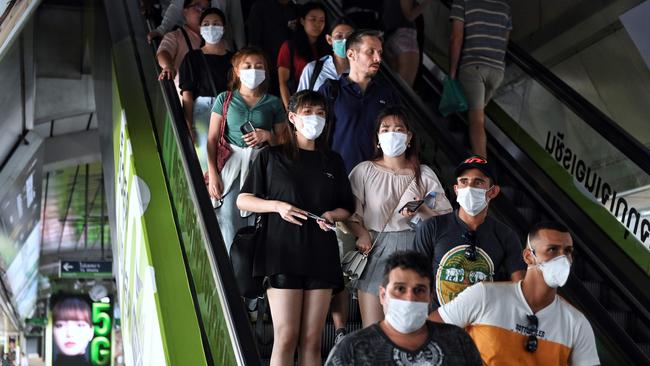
x=305, y=98
x=411, y=152
x=300, y=39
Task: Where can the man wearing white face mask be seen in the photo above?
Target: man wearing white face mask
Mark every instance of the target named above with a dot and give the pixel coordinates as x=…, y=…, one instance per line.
x=405, y=337
x=527, y=323
x=468, y=246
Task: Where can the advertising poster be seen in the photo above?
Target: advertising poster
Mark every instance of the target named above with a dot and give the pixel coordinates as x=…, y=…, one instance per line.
x=81, y=331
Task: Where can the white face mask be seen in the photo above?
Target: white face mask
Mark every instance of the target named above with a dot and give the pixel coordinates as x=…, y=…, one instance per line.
x=212, y=33
x=472, y=200
x=555, y=271
x=393, y=143
x=312, y=126
x=252, y=78
x=405, y=316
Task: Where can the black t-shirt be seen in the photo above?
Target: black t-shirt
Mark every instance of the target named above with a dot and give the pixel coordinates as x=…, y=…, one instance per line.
x=315, y=182
x=193, y=75
x=447, y=345
x=441, y=239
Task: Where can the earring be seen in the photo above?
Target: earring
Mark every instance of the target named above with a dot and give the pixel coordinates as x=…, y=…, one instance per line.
x=409, y=145
x=378, y=146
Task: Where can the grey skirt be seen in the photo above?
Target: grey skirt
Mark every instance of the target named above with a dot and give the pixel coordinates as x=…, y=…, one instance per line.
x=388, y=243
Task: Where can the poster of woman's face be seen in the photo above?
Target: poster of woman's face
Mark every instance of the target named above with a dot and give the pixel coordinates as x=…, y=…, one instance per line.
x=72, y=326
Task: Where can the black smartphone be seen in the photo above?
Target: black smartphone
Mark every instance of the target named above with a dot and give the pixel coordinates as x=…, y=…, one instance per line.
x=247, y=128
x=412, y=205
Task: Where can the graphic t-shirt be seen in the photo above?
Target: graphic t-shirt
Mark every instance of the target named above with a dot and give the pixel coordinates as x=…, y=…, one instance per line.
x=446, y=345
x=495, y=316
x=444, y=240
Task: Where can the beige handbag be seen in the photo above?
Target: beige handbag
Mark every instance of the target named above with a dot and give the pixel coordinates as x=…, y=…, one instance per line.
x=354, y=261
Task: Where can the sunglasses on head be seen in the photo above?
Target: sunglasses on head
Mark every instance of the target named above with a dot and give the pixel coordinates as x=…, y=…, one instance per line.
x=531, y=343
x=470, y=251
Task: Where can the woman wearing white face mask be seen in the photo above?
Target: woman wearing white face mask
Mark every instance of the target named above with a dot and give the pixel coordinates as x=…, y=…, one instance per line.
x=252, y=118
x=203, y=74
x=301, y=181
x=329, y=66
x=381, y=188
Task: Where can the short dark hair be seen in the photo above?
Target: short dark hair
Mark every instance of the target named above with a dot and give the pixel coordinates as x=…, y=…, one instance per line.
x=187, y=3
x=216, y=11
x=340, y=21
x=356, y=37
x=412, y=260
x=546, y=225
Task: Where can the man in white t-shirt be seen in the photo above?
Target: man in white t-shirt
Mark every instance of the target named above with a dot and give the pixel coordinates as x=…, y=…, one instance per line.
x=526, y=322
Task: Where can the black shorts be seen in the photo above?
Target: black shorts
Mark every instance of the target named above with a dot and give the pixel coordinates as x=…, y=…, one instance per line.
x=293, y=282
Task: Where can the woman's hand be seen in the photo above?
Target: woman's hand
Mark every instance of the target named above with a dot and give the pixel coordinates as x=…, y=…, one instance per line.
x=152, y=35
x=168, y=73
x=290, y=213
x=408, y=213
x=257, y=137
x=329, y=221
x=363, y=243
x=215, y=185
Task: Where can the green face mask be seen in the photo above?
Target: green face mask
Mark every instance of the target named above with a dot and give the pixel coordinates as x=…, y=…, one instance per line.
x=338, y=45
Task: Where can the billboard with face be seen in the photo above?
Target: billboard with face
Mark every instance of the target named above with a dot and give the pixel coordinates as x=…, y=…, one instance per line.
x=80, y=331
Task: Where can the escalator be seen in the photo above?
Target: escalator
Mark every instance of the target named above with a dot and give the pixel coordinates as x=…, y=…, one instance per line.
x=609, y=281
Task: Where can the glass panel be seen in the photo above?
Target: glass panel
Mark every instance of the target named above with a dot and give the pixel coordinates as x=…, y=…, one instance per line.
x=600, y=172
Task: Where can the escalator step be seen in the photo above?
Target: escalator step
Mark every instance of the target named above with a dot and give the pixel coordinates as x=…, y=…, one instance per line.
x=327, y=341
x=529, y=214
x=593, y=287
x=645, y=348
x=622, y=318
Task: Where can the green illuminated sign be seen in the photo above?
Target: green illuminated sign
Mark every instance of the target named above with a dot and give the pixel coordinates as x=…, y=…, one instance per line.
x=100, y=347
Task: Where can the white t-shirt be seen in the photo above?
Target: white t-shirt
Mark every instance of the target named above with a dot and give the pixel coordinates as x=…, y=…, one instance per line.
x=495, y=316
x=328, y=72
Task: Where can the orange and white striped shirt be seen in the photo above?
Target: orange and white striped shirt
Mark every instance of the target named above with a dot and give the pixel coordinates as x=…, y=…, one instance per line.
x=495, y=316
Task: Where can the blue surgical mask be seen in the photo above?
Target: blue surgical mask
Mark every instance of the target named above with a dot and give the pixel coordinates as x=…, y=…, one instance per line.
x=338, y=45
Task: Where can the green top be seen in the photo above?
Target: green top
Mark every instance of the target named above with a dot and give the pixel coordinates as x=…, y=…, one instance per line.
x=267, y=112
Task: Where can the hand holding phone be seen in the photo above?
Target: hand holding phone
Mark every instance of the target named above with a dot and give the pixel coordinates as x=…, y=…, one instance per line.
x=247, y=128
x=328, y=224
x=412, y=206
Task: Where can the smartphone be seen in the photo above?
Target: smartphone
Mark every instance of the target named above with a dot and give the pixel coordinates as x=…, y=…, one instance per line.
x=412, y=205
x=329, y=225
x=247, y=128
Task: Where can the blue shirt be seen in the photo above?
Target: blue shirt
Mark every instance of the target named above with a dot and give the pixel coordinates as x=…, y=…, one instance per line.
x=355, y=118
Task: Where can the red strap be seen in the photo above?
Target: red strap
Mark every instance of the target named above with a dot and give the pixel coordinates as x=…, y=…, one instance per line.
x=224, y=112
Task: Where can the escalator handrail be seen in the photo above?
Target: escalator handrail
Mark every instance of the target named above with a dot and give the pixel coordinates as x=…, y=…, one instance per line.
x=246, y=349
x=617, y=337
x=611, y=131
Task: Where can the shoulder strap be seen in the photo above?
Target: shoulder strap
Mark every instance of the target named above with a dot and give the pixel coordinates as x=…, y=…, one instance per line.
x=334, y=90
x=390, y=214
x=224, y=113
x=335, y=86
x=314, y=75
x=207, y=68
x=187, y=38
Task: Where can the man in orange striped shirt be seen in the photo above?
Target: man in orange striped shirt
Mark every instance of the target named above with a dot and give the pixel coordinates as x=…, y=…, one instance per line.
x=526, y=322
